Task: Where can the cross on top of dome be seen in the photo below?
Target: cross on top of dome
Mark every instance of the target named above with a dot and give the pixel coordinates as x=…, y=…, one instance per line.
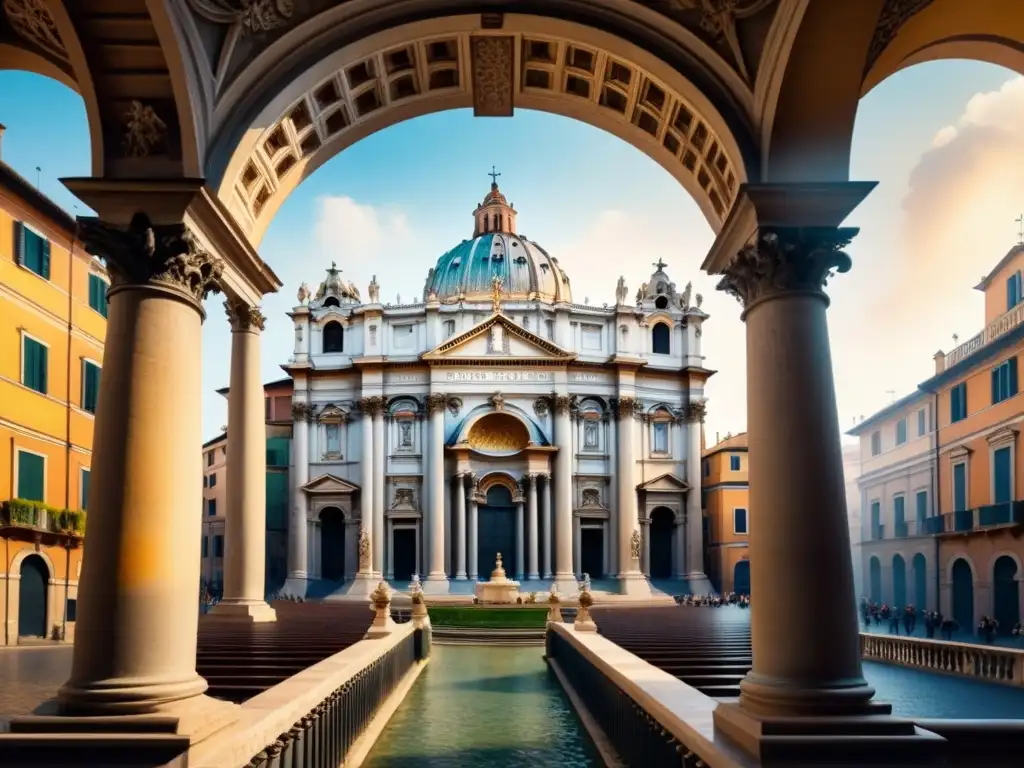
x=494, y=177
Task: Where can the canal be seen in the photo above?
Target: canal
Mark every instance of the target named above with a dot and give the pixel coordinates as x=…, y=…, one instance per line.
x=484, y=707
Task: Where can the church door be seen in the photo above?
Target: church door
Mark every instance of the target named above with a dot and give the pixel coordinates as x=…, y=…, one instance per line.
x=405, y=553
x=592, y=552
x=661, y=532
x=332, y=544
x=496, y=522
x=32, y=597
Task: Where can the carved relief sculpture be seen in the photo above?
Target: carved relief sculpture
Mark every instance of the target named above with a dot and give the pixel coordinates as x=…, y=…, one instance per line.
x=405, y=434
x=254, y=16
x=144, y=131
x=497, y=401
x=244, y=317
x=454, y=405
x=373, y=290
x=373, y=335
x=540, y=406
x=590, y=434
x=364, y=550
x=591, y=497
x=634, y=545
x=493, y=67
x=31, y=20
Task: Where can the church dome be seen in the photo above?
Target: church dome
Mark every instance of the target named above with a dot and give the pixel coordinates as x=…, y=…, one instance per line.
x=525, y=269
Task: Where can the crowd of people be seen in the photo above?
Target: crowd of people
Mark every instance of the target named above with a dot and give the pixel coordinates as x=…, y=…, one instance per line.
x=934, y=622
x=715, y=601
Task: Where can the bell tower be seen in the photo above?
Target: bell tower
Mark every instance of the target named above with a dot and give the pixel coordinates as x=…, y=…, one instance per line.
x=495, y=214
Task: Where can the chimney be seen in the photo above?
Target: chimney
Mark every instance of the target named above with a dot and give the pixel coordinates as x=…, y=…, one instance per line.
x=2, y=129
x=940, y=362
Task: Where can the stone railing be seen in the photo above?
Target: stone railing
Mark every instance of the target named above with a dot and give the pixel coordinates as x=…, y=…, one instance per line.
x=989, y=663
x=316, y=719
x=1001, y=325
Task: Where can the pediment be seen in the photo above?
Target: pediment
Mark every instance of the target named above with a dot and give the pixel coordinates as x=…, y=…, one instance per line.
x=329, y=484
x=496, y=339
x=668, y=483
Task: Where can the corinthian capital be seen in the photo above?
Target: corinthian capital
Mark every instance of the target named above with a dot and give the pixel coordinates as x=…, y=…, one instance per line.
x=436, y=402
x=695, y=411
x=626, y=407
x=166, y=255
x=561, y=404
x=372, y=406
x=787, y=260
x=243, y=316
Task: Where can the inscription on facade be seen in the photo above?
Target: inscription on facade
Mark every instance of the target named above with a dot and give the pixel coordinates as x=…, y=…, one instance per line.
x=498, y=376
x=407, y=378
x=586, y=377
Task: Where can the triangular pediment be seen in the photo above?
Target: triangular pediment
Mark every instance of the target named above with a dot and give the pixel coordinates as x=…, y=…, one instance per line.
x=495, y=339
x=329, y=484
x=667, y=482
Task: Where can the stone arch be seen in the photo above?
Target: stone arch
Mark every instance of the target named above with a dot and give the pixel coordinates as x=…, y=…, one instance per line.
x=961, y=579
x=1006, y=577
x=899, y=580
x=498, y=477
x=461, y=432
x=1013, y=556
x=333, y=337
x=919, y=567
x=661, y=338
x=404, y=404
x=875, y=579
x=967, y=559
x=22, y=554
x=261, y=157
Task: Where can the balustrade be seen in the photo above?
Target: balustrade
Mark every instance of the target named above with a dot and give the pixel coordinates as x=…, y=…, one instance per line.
x=1001, y=325
x=991, y=664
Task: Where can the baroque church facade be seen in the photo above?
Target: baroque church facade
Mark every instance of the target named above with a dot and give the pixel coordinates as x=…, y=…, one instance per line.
x=497, y=416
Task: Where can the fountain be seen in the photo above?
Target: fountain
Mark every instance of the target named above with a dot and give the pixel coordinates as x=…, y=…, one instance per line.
x=499, y=589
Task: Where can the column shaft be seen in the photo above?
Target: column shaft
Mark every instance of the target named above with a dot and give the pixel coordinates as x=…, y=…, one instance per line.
x=563, y=495
x=577, y=547
x=531, y=539
x=645, y=563
x=474, y=552
x=380, y=459
x=390, y=567
x=519, y=540
x=366, y=489
x=679, y=550
x=435, y=509
x=460, y=526
x=694, y=514
x=298, y=562
x=627, y=491
x=549, y=533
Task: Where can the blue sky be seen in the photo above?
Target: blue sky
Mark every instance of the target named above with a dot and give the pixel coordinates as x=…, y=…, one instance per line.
x=945, y=141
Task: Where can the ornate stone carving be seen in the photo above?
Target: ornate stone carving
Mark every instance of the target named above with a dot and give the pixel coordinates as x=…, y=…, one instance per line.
x=381, y=596
x=684, y=299
x=541, y=406
x=164, y=254
x=436, y=402
x=787, y=259
x=144, y=131
x=497, y=286
x=591, y=497
x=373, y=290
x=405, y=498
x=302, y=411
x=696, y=411
x=244, y=317
x=454, y=405
x=254, y=16
x=303, y=294
x=894, y=15
x=700, y=300
x=621, y=291
x=561, y=404
x=31, y=20
x=626, y=407
x=493, y=66
x=372, y=406
x=364, y=550
x=634, y=545
x=497, y=401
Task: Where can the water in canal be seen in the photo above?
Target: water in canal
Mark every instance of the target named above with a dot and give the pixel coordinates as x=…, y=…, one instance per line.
x=484, y=707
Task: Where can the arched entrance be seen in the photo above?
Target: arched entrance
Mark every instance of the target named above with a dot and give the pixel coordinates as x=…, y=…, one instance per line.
x=661, y=532
x=741, y=577
x=32, y=597
x=875, y=578
x=920, y=567
x=963, y=595
x=332, y=544
x=496, y=531
x=899, y=581
x=1005, y=594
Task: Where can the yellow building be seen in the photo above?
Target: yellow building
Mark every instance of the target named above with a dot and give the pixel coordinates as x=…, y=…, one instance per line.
x=52, y=328
x=725, y=492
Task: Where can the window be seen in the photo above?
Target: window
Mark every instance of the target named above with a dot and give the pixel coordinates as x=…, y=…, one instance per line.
x=549, y=329
x=899, y=515
x=90, y=386
x=739, y=520
x=31, y=250
x=209, y=457
x=334, y=337
x=31, y=476
x=661, y=437
x=218, y=545
x=1002, y=476
x=332, y=301
x=876, y=443
x=734, y=463
x=707, y=467
x=333, y=439
x=211, y=507
x=1004, y=380
x=958, y=402
x=33, y=363
x=901, y=432
x=922, y=509
x=83, y=502
x=960, y=486
x=876, y=520
x=206, y=546
x=98, y=294
x=922, y=422
x=213, y=479
x=206, y=481
x=1013, y=291
x=449, y=328
x=660, y=343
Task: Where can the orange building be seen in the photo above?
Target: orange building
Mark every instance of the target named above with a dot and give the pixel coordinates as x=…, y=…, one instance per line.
x=980, y=482
x=52, y=329
x=725, y=492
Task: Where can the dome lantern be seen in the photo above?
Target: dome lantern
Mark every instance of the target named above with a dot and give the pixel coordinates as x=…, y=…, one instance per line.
x=495, y=214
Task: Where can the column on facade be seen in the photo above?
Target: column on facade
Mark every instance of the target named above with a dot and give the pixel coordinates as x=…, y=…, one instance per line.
x=460, y=526
x=563, y=495
x=520, y=547
x=390, y=557
x=298, y=533
x=645, y=553
x=628, y=564
x=140, y=580
x=531, y=527
x=436, y=488
x=366, y=487
x=611, y=529
x=679, y=550
x=245, y=529
x=380, y=459
x=549, y=534
x=694, y=564
x=806, y=663
x=577, y=546
x=473, y=530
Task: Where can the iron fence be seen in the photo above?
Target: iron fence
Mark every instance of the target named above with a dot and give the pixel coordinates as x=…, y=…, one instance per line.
x=635, y=734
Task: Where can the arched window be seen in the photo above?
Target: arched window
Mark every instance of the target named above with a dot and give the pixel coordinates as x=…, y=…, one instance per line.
x=661, y=302
x=660, y=339
x=334, y=337
x=331, y=301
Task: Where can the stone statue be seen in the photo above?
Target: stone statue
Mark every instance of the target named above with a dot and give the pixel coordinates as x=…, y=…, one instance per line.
x=700, y=300
x=685, y=300
x=364, y=550
x=634, y=545
x=641, y=293
x=497, y=286
x=621, y=291
x=373, y=291
x=303, y=294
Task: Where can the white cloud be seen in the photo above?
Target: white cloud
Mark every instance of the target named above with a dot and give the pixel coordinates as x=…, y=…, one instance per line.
x=346, y=229
x=944, y=136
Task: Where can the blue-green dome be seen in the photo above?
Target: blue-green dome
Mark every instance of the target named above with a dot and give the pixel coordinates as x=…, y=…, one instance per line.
x=526, y=270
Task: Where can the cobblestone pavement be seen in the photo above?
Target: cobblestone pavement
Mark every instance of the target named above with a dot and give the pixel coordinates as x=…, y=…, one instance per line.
x=29, y=676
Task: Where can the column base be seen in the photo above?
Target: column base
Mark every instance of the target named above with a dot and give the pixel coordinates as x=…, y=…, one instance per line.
x=634, y=584
x=874, y=737
x=566, y=585
x=295, y=585
x=460, y=576
x=435, y=584
x=242, y=611
x=698, y=583
x=363, y=585
x=533, y=576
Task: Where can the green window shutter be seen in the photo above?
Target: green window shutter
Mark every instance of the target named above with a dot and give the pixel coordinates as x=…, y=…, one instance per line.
x=34, y=365
x=31, y=472
x=41, y=374
x=45, y=260
x=86, y=474
x=90, y=387
x=19, y=242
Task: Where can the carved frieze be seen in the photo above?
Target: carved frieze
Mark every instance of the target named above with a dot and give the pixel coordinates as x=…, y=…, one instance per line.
x=243, y=316
x=31, y=20
x=253, y=16
x=493, y=61
x=894, y=15
x=787, y=260
x=165, y=254
x=145, y=133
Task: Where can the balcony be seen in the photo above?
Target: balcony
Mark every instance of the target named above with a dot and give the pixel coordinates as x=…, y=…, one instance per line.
x=41, y=518
x=1000, y=326
x=981, y=518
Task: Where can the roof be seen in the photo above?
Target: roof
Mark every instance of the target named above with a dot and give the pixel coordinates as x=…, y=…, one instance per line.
x=19, y=186
x=733, y=443
x=222, y=437
x=886, y=412
x=977, y=358
x=986, y=281
x=269, y=385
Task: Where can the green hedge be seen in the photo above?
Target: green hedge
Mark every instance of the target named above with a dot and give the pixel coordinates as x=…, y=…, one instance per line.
x=29, y=513
x=488, y=618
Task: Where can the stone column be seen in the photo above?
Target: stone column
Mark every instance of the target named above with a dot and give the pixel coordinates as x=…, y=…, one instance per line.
x=531, y=528
x=807, y=664
x=631, y=578
x=564, y=578
x=613, y=495
x=380, y=458
x=135, y=639
x=645, y=557
x=298, y=546
x=519, y=538
x=605, y=548
x=549, y=534
x=473, y=531
x=679, y=551
x=577, y=547
x=245, y=526
x=390, y=559
x=367, y=405
x=460, y=526
x=437, y=580
x=694, y=564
